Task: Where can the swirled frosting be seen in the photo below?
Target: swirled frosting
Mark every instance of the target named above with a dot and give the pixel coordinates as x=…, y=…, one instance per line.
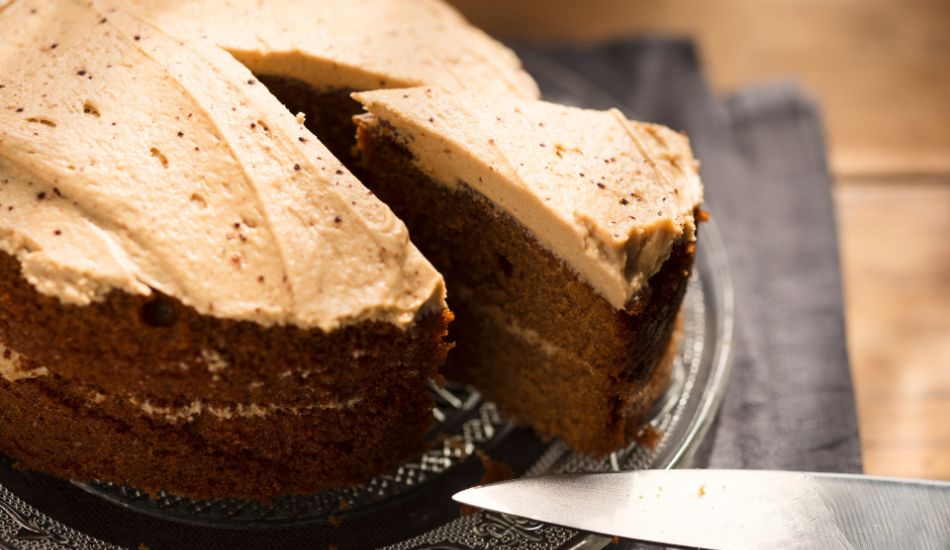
x=134, y=159
x=351, y=44
x=606, y=195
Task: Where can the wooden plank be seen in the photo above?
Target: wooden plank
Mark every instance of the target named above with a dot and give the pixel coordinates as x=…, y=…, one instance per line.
x=896, y=266
x=880, y=68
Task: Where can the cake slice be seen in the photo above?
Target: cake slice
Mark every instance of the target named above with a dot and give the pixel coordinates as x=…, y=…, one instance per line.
x=566, y=237
x=311, y=54
x=195, y=295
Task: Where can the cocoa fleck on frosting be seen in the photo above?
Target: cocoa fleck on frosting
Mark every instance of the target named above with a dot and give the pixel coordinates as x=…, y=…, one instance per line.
x=134, y=159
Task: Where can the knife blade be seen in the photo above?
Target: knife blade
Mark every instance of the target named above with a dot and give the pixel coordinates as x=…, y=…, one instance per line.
x=733, y=508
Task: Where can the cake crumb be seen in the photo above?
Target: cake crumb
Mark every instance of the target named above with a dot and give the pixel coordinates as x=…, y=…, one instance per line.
x=702, y=491
x=495, y=470
x=649, y=437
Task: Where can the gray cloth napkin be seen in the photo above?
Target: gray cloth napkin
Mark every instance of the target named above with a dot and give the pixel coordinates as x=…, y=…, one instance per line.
x=789, y=404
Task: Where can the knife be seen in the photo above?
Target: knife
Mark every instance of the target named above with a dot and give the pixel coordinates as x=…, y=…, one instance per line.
x=733, y=508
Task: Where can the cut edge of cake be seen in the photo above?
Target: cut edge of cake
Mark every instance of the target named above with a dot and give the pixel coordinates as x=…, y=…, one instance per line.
x=536, y=333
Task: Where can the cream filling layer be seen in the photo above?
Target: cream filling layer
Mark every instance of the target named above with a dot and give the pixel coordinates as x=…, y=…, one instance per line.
x=608, y=196
x=527, y=335
x=13, y=368
x=190, y=412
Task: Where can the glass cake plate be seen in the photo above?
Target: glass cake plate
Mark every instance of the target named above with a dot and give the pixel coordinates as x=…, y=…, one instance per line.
x=411, y=507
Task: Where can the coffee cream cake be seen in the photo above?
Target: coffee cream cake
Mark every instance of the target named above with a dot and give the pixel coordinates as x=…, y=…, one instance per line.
x=195, y=295
x=198, y=296
x=566, y=237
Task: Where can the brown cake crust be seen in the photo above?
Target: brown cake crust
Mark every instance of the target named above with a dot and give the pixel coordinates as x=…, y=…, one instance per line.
x=530, y=334
x=129, y=354
x=118, y=346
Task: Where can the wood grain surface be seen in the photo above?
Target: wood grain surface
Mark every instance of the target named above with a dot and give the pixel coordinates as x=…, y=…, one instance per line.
x=896, y=263
x=881, y=70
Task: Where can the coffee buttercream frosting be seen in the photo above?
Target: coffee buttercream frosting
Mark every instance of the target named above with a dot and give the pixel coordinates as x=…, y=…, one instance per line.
x=352, y=44
x=608, y=196
x=136, y=160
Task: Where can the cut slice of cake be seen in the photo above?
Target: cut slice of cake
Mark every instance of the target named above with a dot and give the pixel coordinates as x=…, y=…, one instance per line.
x=311, y=54
x=566, y=237
x=195, y=295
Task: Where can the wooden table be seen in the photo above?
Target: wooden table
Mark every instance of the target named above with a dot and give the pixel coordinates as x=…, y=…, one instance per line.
x=881, y=70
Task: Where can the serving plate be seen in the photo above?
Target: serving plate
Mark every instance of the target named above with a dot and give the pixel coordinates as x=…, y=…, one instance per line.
x=409, y=508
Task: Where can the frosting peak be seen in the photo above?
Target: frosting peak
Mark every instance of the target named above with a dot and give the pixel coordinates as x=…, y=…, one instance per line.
x=607, y=195
x=133, y=160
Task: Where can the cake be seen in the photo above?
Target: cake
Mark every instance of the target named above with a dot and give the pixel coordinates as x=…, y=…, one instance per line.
x=313, y=54
x=195, y=295
x=566, y=237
